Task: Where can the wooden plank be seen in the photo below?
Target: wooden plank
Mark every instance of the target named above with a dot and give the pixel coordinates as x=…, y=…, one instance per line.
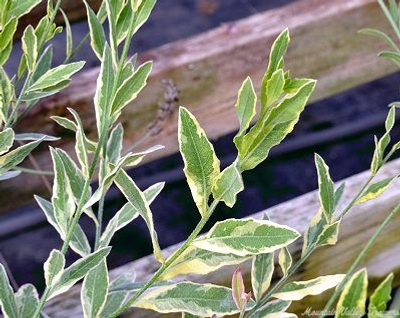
x=357, y=227
x=75, y=10
x=209, y=68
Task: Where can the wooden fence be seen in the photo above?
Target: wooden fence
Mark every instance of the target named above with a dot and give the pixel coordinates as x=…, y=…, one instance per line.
x=324, y=46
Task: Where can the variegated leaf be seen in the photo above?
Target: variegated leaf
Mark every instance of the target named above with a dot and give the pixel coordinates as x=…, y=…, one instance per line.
x=201, y=163
x=246, y=237
x=300, y=289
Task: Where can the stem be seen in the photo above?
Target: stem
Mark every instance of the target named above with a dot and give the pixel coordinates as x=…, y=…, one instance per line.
x=359, y=194
x=390, y=18
x=34, y=171
x=360, y=256
x=169, y=261
x=283, y=280
x=310, y=250
x=13, y=116
x=75, y=219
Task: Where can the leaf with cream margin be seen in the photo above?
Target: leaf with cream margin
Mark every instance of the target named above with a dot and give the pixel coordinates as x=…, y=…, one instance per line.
x=195, y=260
x=300, y=289
x=197, y=299
x=201, y=163
x=353, y=297
x=246, y=237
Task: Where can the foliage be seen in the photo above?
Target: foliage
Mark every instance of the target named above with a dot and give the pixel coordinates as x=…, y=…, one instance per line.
x=229, y=242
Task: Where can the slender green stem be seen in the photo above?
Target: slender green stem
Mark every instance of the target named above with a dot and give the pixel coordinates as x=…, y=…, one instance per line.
x=12, y=118
x=358, y=195
x=75, y=220
x=390, y=18
x=34, y=171
x=360, y=256
x=282, y=281
x=168, y=262
x=310, y=250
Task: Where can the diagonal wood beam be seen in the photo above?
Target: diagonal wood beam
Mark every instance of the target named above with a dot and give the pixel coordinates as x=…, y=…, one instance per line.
x=209, y=68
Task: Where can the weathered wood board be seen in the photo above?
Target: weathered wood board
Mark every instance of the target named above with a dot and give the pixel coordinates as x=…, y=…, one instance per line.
x=356, y=229
x=209, y=68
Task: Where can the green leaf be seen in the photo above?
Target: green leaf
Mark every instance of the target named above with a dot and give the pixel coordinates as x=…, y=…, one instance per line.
x=136, y=197
x=379, y=34
x=201, y=163
x=43, y=64
x=53, y=267
x=68, y=36
x=104, y=90
x=199, y=261
x=78, y=270
x=131, y=87
x=114, y=144
x=375, y=190
x=278, y=50
x=380, y=297
x=65, y=122
x=112, y=8
x=274, y=89
x=326, y=189
x=7, y=94
x=55, y=76
x=6, y=140
x=79, y=242
x=317, y=225
x=63, y=198
x=30, y=47
x=97, y=36
x=143, y=13
x=124, y=216
x=262, y=269
x=246, y=237
x=394, y=56
x=227, y=185
x=6, y=39
x=285, y=260
x=20, y=8
x=276, y=306
x=329, y=234
x=300, y=289
x=27, y=299
x=94, y=290
x=245, y=107
x=7, y=299
x=351, y=302
x=197, y=299
x=114, y=301
x=276, y=125
x=16, y=156
x=35, y=136
x=80, y=144
x=123, y=23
